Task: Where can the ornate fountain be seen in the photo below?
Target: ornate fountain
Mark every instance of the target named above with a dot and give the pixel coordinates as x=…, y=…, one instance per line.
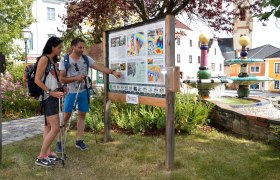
x=244, y=80
x=205, y=83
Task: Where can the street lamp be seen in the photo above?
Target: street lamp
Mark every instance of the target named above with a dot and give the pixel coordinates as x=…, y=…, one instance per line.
x=26, y=36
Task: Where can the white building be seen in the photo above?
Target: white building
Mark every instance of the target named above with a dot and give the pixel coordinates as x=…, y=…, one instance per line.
x=47, y=14
x=188, y=55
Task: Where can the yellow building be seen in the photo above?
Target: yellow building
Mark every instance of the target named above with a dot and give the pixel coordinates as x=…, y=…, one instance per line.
x=272, y=63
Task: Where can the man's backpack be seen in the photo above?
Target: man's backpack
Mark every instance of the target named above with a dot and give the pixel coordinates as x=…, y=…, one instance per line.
x=66, y=62
x=30, y=71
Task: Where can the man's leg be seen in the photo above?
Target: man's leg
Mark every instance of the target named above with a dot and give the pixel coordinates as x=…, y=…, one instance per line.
x=83, y=107
x=81, y=125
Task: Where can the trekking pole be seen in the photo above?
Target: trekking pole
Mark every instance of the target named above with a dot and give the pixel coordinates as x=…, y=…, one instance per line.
x=95, y=134
x=69, y=123
x=61, y=117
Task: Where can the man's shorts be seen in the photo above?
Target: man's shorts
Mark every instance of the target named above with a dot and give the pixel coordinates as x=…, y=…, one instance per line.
x=51, y=106
x=82, y=102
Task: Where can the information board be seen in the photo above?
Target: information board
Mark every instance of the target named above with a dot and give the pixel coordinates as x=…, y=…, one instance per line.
x=138, y=52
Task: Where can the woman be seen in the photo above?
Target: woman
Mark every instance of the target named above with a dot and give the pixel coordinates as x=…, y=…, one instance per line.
x=50, y=98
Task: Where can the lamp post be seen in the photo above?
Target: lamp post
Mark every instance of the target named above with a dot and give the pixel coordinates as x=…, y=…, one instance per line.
x=26, y=36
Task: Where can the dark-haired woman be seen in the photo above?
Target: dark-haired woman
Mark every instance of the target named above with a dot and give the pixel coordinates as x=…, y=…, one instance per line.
x=50, y=98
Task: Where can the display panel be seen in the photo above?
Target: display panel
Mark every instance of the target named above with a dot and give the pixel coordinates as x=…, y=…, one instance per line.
x=138, y=52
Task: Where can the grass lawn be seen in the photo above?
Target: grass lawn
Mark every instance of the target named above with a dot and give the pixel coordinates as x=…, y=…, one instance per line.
x=211, y=155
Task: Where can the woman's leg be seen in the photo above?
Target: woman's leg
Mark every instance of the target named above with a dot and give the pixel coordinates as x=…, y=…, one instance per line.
x=47, y=129
x=49, y=136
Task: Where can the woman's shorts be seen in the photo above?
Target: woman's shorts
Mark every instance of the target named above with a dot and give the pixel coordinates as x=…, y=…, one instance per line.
x=51, y=106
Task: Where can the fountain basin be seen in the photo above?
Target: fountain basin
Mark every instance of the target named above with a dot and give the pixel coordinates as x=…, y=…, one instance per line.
x=243, y=61
x=206, y=83
x=249, y=80
x=254, y=120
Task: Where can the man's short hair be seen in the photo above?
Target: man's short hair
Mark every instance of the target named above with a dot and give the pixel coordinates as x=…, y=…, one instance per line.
x=75, y=41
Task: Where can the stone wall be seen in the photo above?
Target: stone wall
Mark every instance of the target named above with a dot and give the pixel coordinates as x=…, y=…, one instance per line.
x=243, y=122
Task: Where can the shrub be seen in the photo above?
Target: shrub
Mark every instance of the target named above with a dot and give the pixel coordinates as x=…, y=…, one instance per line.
x=190, y=114
x=15, y=100
x=17, y=72
x=138, y=118
x=94, y=119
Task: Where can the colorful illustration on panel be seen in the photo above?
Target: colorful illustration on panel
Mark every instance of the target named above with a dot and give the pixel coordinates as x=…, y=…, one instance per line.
x=155, y=41
x=154, y=74
x=131, y=51
x=140, y=43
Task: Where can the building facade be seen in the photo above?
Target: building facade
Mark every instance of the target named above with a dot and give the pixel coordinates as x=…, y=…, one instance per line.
x=188, y=55
x=47, y=14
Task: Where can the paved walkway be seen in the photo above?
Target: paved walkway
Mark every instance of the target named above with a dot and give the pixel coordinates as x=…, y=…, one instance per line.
x=17, y=130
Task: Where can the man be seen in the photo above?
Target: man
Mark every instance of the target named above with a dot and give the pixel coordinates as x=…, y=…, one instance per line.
x=75, y=76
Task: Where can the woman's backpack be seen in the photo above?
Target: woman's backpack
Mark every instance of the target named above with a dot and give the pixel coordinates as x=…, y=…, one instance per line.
x=30, y=71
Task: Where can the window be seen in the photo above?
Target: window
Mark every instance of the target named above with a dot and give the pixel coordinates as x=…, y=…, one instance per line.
x=190, y=58
x=198, y=44
x=277, y=68
x=178, y=58
x=220, y=67
x=30, y=41
x=178, y=41
x=190, y=43
x=181, y=75
x=255, y=86
x=51, y=13
x=276, y=84
x=213, y=66
x=255, y=69
x=215, y=51
x=198, y=59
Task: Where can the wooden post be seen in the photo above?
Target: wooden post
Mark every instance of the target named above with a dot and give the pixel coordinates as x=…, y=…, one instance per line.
x=107, y=104
x=0, y=125
x=170, y=95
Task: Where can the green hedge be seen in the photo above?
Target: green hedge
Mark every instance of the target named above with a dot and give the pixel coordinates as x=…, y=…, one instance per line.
x=190, y=113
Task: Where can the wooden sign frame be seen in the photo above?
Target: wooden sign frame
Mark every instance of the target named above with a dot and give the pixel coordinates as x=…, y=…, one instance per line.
x=166, y=102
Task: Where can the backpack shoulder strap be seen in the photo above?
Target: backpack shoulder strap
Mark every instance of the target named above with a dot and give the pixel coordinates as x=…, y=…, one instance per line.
x=48, y=68
x=86, y=60
x=66, y=62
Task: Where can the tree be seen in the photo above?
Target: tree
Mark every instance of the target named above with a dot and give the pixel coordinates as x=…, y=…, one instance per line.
x=15, y=15
x=103, y=14
x=269, y=8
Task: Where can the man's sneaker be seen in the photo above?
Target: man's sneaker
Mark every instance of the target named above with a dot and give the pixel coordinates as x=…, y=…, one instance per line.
x=58, y=147
x=44, y=162
x=54, y=158
x=81, y=145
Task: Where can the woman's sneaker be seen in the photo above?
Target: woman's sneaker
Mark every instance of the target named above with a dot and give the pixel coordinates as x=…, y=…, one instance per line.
x=45, y=162
x=81, y=145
